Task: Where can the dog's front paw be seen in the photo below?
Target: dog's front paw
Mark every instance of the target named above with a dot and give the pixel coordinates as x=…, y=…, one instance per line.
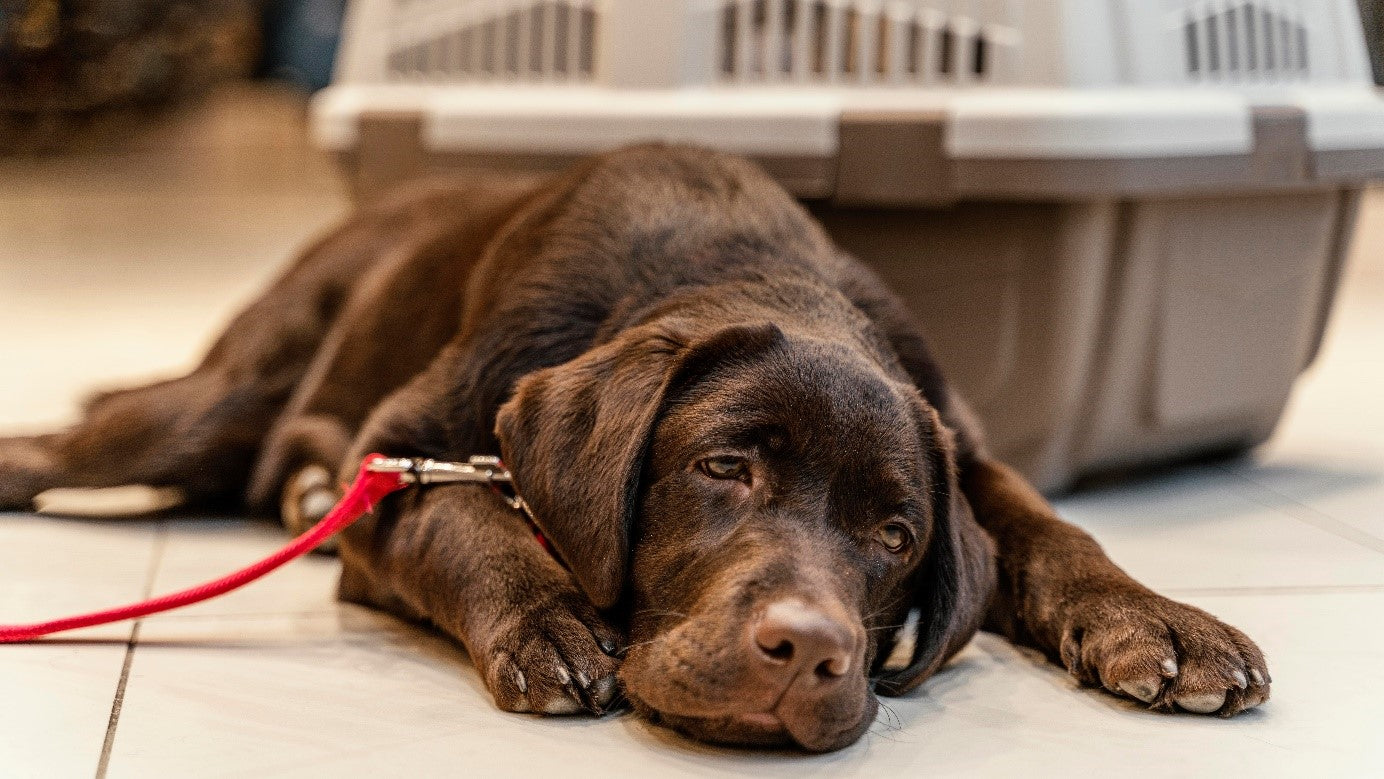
x=1166, y=654
x=557, y=657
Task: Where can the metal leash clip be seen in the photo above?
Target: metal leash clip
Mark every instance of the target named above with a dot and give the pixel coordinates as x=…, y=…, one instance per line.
x=478, y=469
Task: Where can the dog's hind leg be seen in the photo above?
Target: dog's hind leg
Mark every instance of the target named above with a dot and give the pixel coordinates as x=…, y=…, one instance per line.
x=198, y=433
x=400, y=315
x=202, y=432
x=195, y=433
x=397, y=319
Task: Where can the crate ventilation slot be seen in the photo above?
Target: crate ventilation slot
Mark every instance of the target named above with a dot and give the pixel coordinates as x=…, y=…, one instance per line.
x=1250, y=41
x=484, y=40
x=827, y=41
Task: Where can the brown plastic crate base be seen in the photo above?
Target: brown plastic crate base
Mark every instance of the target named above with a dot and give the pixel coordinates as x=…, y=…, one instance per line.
x=1113, y=334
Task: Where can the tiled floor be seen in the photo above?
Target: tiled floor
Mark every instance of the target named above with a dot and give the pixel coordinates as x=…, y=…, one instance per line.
x=117, y=268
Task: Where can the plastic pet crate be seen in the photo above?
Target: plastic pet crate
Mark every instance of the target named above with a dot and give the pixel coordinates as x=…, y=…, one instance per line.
x=1120, y=221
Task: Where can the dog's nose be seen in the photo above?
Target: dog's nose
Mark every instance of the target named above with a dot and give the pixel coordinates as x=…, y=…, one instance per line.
x=792, y=636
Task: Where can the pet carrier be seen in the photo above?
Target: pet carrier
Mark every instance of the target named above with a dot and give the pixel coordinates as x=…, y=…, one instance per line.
x=1120, y=221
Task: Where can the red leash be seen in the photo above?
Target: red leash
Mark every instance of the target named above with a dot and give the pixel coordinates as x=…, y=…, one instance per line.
x=371, y=484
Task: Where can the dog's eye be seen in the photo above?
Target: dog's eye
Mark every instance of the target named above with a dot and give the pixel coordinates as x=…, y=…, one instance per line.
x=725, y=467
x=894, y=536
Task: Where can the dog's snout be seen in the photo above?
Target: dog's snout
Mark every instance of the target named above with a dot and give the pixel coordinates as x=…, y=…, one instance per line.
x=793, y=636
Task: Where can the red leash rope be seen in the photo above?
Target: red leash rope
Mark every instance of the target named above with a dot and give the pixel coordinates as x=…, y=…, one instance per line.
x=367, y=490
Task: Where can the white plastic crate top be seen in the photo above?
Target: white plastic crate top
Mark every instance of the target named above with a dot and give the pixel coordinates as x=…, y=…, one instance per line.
x=1071, y=79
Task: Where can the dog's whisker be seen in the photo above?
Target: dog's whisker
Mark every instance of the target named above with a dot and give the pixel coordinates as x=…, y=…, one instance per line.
x=638, y=644
x=882, y=609
x=893, y=721
x=661, y=613
x=885, y=733
x=620, y=701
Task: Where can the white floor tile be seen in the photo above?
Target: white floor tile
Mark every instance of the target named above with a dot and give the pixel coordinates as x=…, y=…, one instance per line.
x=1202, y=528
x=199, y=550
x=352, y=695
x=55, y=703
x=51, y=567
x=1328, y=453
x=236, y=696
x=56, y=696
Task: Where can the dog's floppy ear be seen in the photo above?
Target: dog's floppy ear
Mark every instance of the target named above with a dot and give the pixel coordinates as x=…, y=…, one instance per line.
x=575, y=437
x=953, y=584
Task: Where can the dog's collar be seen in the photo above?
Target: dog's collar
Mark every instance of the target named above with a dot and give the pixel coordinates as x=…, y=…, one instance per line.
x=479, y=469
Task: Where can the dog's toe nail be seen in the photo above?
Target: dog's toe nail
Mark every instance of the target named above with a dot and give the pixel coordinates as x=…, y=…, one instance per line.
x=1240, y=680
x=1255, y=676
x=1169, y=667
x=1143, y=689
x=1202, y=703
x=562, y=676
x=520, y=681
x=583, y=681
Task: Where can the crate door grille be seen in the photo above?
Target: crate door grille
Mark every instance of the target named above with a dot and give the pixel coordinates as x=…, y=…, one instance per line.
x=856, y=42
x=1245, y=41
x=486, y=40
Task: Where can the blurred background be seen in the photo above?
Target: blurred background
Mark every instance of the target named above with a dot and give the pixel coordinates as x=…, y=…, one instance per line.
x=91, y=73
x=97, y=67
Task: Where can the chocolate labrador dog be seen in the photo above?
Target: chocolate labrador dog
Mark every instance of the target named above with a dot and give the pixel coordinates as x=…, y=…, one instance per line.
x=764, y=504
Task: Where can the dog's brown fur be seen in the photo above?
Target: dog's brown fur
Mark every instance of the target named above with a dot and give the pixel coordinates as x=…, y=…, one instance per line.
x=611, y=332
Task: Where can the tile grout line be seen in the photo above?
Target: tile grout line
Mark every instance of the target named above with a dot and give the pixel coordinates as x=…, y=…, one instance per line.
x=1286, y=589
x=109, y=741
x=118, y=702
x=1308, y=515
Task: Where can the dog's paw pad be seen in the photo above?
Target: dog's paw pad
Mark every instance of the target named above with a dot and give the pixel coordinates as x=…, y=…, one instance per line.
x=308, y=496
x=1165, y=654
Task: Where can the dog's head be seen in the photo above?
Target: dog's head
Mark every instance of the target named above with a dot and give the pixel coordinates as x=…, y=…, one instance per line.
x=769, y=506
